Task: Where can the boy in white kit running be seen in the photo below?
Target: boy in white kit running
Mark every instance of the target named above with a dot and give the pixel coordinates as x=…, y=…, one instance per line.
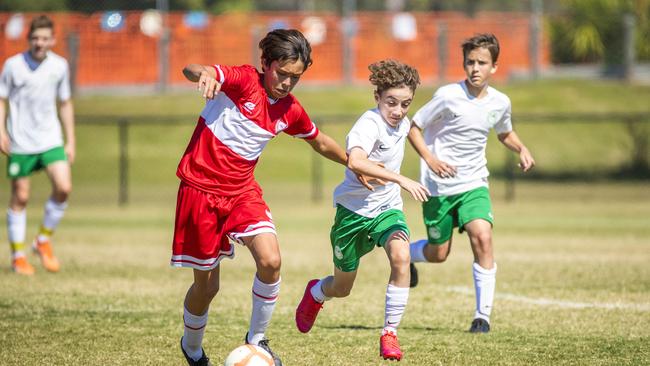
x=33, y=82
x=450, y=134
x=365, y=219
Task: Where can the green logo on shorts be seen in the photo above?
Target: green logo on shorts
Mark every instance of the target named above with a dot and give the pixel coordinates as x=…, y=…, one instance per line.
x=434, y=233
x=337, y=253
x=14, y=169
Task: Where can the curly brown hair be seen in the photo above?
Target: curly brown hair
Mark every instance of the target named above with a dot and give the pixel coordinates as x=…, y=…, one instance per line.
x=386, y=74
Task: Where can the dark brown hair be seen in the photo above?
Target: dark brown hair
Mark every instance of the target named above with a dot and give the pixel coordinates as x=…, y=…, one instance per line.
x=285, y=45
x=486, y=40
x=40, y=21
x=386, y=74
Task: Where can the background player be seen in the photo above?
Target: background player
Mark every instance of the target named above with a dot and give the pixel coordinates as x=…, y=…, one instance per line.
x=33, y=81
x=365, y=219
x=455, y=125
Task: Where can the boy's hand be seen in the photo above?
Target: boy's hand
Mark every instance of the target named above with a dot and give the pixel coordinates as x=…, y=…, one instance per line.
x=208, y=85
x=526, y=161
x=442, y=169
x=417, y=190
x=5, y=144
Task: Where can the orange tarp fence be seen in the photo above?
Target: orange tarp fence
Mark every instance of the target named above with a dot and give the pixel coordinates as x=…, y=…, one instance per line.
x=128, y=56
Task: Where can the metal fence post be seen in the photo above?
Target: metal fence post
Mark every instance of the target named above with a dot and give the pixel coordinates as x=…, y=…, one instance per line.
x=629, y=24
x=73, y=59
x=535, y=38
x=123, y=135
x=442, y=51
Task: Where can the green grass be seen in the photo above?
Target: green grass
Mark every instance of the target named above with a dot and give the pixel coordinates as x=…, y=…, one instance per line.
x=117, y=301
x=559, y=246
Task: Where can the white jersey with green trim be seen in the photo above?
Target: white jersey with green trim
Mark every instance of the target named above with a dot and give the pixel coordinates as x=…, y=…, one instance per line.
x=383, y=144
x=33, y=123
x=455, y=126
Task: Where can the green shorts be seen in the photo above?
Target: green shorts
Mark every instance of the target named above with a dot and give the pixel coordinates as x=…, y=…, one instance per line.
x=443, y=213
x=22, y=165
x=353, y=236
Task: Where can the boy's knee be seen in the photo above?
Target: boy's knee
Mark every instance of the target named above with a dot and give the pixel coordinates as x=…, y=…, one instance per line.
x=401, y=259
x=437, y=253
x=482, y=239
x=270, y=263
x=62, y=193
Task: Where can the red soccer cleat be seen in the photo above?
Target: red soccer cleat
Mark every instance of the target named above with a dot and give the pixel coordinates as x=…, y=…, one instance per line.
x=308, y=309
x=389, y=347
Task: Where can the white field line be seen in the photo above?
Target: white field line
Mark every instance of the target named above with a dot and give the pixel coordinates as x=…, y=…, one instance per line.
x=541, y=301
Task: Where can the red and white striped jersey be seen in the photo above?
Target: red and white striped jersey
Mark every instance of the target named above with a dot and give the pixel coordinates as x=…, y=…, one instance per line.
x=234, y=128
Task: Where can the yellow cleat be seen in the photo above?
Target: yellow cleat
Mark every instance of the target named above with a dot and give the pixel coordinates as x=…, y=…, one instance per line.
x=22, y=267
x=44, y=251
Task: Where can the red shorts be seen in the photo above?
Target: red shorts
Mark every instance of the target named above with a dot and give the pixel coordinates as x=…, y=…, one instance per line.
x=207, y=225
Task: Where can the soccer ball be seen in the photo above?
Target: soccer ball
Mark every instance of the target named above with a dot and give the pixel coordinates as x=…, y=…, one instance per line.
x=249, y=355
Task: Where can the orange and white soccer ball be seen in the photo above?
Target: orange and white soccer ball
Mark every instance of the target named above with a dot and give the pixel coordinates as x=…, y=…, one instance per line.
x=249, y=355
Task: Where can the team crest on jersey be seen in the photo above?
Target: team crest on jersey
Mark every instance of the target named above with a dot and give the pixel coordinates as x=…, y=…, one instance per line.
x=280, y=126
x=249, y=106
x=492, y=117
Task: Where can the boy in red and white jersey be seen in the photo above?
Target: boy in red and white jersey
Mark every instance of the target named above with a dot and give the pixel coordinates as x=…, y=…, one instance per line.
x=219, y=202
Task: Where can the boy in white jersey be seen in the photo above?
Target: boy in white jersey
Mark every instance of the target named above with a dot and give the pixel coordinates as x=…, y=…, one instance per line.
x=365, y=219
x=33, y=82
x=455, y=125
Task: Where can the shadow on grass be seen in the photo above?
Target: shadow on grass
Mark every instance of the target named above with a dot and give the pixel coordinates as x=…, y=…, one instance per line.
x=365, y=327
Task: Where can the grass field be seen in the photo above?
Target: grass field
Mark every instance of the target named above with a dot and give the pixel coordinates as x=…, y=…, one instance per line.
x=573, y=286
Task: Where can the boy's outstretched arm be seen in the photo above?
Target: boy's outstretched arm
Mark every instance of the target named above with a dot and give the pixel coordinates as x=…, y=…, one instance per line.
x=511, y=141
x=327, y=147
x=205, y=77
x=439, y=167
x=358, y=162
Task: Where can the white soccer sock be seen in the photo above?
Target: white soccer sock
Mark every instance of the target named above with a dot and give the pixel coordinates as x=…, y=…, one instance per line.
x=484, y=284
x=396, y=299
x=52, y=216
x=417, y=251
x=264, y=298
x=317, y=292
x=16, y=227
x=193, y=334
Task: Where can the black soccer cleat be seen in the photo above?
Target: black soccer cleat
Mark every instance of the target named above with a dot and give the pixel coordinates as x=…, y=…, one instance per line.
x=264, y=343
x=203, y=361
x=479, y=326
x=414, y=275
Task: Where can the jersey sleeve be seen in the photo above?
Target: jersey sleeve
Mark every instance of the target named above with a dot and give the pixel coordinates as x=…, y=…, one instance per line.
x=235, y=78
x=302, y=126
x=5, y=82
x=63, y=89
x=364, y=134
x=431, y=112
x=504, y=125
